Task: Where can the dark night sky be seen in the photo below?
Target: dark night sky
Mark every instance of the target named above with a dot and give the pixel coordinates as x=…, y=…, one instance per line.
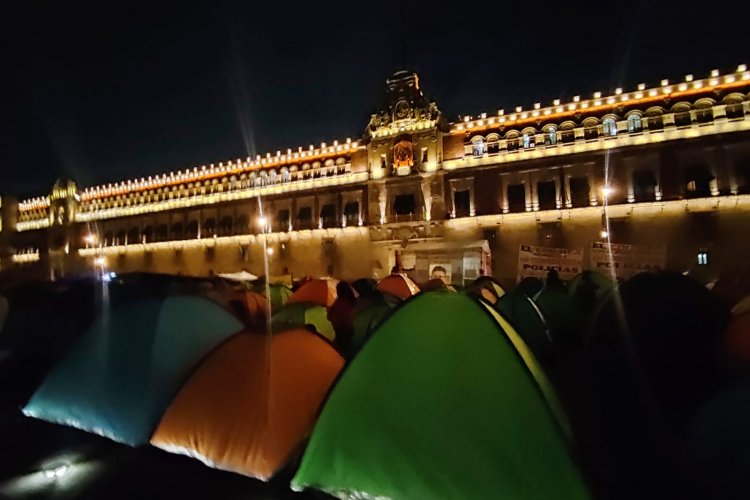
x=116, y=90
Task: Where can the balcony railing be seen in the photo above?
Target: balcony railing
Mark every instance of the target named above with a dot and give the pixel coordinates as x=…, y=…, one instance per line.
x=601, y=133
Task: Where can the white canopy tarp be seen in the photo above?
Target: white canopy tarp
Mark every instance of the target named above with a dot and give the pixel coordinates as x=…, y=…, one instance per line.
x=240, y=276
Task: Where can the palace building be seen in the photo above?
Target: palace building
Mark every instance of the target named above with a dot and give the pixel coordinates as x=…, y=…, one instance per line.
x=657, y=170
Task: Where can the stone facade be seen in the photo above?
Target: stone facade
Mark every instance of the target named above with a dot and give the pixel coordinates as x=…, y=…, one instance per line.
x=668, y=165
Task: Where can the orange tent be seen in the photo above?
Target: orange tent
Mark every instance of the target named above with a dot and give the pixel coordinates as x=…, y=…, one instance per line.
x=257, y=307
x=737, y=338
x=252, y=402
x=318, y=291
x=398, y=285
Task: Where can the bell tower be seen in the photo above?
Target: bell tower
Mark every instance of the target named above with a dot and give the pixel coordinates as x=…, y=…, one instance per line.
x=405, y=140
x=63, y=205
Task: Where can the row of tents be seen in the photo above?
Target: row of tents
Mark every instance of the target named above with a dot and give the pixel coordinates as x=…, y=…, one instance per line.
x=446, y=395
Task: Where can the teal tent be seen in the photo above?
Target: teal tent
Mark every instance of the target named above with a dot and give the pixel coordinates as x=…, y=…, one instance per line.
x=121, y=375
x=444, y=401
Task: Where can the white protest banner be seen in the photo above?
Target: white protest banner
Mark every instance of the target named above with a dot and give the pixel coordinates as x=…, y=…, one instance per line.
x=626, y=260
x=538, y=261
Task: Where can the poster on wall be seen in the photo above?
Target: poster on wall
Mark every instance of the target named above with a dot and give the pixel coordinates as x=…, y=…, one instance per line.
x=441, y=271
x=536, y=262
x=625, y=261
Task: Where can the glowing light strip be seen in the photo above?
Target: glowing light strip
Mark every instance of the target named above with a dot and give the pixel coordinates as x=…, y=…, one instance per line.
x=581, y=145
x=598, y=103
x=210, y=242
x=32, y=224
x=26, y=257
x=707, y=204
x=213, y=172
x=240, y=194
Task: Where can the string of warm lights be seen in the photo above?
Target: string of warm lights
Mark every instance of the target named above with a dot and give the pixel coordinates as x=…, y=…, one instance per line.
x=212, y=171
x=642, y=95
x=26, y=256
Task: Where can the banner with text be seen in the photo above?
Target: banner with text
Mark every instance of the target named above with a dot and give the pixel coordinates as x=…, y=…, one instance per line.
x=538, y=261
x=626, y=260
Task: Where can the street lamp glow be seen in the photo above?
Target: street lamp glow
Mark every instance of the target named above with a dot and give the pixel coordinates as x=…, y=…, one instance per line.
x=604, y=233
x=90, y=239
x=262, y=221
x=606, y=191
x=100, y=261
x=269, y=251
x=57, y=472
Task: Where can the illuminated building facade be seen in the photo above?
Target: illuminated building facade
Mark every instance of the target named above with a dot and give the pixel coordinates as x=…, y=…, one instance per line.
x=667, y=164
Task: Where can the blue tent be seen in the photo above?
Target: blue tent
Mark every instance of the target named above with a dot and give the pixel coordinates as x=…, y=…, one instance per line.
x=120, y=377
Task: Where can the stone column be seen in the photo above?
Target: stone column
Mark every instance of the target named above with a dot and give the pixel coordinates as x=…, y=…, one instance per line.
x=527, y=192
x=592, y=186
x=629, y=183
x=657, y=187
x=504, y=194
x=568, y=198
x=472, y=206
x=533, y=180
x=558, y=190
x=427, y=195
x=383, y=203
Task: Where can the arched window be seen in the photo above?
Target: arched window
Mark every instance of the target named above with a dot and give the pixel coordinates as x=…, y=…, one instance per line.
x=590, y=128
x=511, y=139
x=704, y=110
x=550, y=135
x=493, y=143
x=682, y=116
x=272, y=178
x=528, y=138
x=284, y=174
x=567, y=132
x=634, y=123
x=655, y=119
x=734, y=108
x=477, y=146
x=609, y=127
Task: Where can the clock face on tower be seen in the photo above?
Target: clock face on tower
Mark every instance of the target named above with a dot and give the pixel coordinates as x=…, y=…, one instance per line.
x=401, y=110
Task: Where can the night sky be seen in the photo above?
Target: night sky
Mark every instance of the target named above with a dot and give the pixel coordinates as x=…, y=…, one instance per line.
x=117, y=90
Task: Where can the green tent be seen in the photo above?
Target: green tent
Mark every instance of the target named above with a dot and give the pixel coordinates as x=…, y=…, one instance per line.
x=277, y=293
x=444, y=401
x=301, y=314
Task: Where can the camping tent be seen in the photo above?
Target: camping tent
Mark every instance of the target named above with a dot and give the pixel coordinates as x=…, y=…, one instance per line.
x=119, y=378
x=271, y=387
x=443, y=401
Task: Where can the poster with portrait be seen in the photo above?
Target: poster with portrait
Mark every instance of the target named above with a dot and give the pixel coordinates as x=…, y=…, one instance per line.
x=536, y=262
x=441, y=270
x=625, y=261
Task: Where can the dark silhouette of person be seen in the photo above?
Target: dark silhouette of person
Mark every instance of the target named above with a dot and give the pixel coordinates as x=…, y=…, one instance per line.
x=341, y=316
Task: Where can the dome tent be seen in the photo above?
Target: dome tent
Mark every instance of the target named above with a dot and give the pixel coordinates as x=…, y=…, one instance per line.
x=119, y=378
x=423, y=412
x=271, y=389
